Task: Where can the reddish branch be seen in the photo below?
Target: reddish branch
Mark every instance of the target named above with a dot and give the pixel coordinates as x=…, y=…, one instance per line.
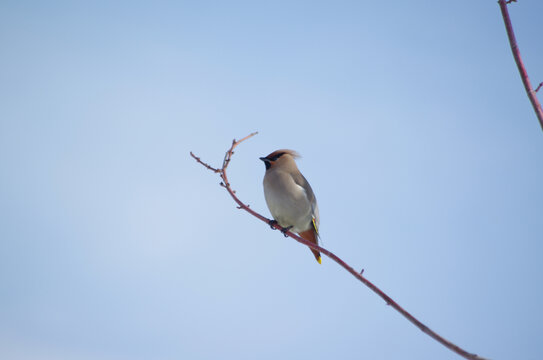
x=522, y=70
x=226, y=184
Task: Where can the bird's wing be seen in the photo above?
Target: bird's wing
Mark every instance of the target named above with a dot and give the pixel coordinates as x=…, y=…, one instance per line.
x=300, y=180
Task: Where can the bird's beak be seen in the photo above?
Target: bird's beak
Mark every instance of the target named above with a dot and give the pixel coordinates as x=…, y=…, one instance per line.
x=265, y=159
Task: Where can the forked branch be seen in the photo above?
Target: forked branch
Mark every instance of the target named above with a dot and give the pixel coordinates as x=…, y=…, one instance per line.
x=225, y=183
x=520, y=65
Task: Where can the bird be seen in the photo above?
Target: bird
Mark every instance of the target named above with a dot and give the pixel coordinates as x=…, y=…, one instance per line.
x=289, y=197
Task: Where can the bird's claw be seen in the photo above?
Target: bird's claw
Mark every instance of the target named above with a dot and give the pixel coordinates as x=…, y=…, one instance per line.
x=285, y=229
x=272, y=223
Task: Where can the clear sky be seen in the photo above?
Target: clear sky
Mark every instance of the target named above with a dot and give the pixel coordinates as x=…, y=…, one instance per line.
x=416, y=135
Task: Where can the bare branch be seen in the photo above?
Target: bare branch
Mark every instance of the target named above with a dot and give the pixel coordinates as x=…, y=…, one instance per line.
x=204, y=164
x=356, y=274
x=520, y=65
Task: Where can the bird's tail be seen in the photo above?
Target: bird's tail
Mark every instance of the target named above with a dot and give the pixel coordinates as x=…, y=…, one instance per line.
x=311, y=235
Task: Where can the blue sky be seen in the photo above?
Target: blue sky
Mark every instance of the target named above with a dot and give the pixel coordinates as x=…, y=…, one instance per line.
x=415, y=133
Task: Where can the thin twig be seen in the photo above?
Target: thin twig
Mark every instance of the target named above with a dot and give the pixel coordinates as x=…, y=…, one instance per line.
x=225, y=183
x=520, y=65
x=204, y=164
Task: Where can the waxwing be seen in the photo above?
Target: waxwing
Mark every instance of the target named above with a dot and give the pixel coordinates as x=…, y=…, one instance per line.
x=290, y=198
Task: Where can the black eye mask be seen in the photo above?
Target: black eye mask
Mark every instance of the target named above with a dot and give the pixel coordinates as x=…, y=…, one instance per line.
x=277, y=156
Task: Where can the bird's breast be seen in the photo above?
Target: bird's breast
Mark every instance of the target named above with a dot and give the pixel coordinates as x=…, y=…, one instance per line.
x=287, y=201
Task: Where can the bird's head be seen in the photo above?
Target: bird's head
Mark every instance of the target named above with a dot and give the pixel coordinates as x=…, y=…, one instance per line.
x=283, y=157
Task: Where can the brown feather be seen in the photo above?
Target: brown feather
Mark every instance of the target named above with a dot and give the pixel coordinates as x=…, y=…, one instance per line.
x=311, y=235
x=292, y=153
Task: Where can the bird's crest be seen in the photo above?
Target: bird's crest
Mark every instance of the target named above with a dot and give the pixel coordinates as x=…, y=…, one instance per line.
x=278, y=153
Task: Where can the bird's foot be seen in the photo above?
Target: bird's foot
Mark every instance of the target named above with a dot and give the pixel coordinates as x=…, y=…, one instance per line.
x=285, y=229
x=272, y=223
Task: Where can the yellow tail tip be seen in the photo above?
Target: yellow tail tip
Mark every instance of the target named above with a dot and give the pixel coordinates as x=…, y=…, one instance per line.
x=319, y=260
